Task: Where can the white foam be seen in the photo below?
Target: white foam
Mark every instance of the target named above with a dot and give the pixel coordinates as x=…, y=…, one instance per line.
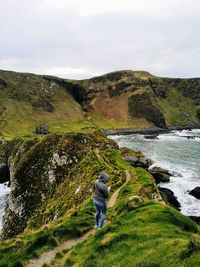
x=175, y=152
x=4, y=193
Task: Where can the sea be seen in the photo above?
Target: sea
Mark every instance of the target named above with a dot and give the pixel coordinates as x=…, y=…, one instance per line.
x=4, y=194
x=177, y=151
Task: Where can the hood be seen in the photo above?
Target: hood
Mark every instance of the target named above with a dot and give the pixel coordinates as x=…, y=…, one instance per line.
x=104, y=177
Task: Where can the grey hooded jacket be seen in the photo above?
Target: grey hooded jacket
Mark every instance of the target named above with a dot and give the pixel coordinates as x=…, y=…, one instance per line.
x=101, y=191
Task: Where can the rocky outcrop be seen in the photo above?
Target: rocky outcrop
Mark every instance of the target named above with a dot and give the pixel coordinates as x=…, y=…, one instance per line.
x=142, y=162
x=195, y=192
x=141, y=105
x=160, y=175
x=37, y=168
x=169, y=197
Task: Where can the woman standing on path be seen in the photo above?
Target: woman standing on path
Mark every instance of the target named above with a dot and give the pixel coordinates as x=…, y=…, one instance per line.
x=101, y=193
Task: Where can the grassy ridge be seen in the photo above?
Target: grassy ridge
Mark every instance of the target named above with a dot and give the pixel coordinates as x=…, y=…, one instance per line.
x=65, y=214
x=148, y=234
x=144, y=234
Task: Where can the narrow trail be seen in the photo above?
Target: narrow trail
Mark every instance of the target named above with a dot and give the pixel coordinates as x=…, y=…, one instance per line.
x=101, y=159
x=114, y=196
x=48, y=256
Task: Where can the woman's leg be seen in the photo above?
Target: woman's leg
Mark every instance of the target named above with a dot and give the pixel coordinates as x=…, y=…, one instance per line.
x=103, y=214
x=98, y=212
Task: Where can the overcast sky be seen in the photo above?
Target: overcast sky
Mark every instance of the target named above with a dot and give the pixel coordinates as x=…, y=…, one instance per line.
x=84, y=38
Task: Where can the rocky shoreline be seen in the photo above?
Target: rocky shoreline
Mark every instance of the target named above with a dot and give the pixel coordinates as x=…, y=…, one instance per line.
x=147, y=131
x=159, y=174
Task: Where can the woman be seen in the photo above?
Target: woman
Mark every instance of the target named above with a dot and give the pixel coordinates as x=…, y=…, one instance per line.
x=101, y=193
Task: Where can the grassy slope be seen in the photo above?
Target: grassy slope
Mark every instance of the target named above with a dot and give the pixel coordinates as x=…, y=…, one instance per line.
x=30, y=100
x=174, y=107
x=149, y=234
x=21, y=119
x=111, y=111
x=72, y=219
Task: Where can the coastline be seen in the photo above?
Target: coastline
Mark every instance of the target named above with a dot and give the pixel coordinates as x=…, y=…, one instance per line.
x=151, y=133
x=147, y=131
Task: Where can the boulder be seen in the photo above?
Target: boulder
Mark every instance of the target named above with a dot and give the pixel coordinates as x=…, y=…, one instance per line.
x=160, y=175
x=195, y=192
x=4, y=173
x=42, y=129
x=144, y=162
x=152, y=136
x=131, y=159
x=133, y=201
x=169, y=196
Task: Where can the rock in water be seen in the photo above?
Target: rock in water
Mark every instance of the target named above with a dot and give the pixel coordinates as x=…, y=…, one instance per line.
x=160, y=174
x=195, y=192
x=170, y=197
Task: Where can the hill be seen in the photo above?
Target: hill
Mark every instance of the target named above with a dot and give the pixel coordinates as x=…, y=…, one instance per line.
x=139, y=99
x=51, y=206
x=121, y=99
x=27, y=100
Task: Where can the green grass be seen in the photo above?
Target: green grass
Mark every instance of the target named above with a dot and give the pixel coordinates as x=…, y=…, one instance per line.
x=64, y=215
x=175, y=105
x=33, y=243
x=145, y=234
x=149, y=235
x=21, y=119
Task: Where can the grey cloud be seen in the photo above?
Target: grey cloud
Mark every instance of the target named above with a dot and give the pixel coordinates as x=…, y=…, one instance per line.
x=38, y=38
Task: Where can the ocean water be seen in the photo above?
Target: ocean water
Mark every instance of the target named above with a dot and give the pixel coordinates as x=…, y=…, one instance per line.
x=178, y=151
x=4, y=193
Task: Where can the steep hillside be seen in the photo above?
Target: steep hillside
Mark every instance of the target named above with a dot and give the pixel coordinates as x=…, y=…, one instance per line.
x=120, y=99
x=27, y=100
x=139, y=99
x=38, y=167
x=50, y=204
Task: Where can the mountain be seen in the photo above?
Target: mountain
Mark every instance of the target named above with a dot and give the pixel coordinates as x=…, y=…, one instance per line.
x=121, y=99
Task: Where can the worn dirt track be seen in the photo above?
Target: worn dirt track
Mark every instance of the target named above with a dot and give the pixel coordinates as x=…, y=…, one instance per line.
x=48, y=256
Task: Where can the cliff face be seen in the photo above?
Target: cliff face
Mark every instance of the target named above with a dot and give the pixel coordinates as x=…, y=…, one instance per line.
x=36, y=170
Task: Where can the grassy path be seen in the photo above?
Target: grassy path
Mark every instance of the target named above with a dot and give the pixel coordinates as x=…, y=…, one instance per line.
x=47, y=257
